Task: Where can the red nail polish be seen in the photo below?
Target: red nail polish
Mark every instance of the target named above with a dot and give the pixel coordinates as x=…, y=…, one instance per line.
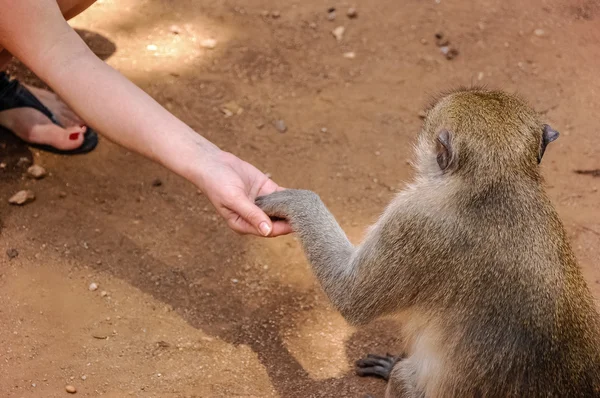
x=73, y=136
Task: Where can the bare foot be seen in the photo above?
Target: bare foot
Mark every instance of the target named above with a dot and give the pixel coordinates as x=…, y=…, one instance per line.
x=34, y=127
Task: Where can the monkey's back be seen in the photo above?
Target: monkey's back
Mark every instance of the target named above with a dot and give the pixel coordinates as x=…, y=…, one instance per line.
x=520, y=320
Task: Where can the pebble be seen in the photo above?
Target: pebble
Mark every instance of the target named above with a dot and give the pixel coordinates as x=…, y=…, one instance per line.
x=156, y=182
x=2, y=165
x=36, y=171
x=103, y=293
x=331, y=15
x=422, y=114
x=280, y=126
x=174, y=29
x=70, y=389
x=539, y=32
x=208, y=43
x=449, y=53
x=23, y=161
x=12, y=253
x=151, y=47
x=231, y=108
x=275, y=14
x=22, y=197
x=338, y=33
x=480, y=76
x=350, y=55
x=323, y=129
x=441, y=40
x=84, y=377
x=352, y=13
x=93, y=286
x=62, y=194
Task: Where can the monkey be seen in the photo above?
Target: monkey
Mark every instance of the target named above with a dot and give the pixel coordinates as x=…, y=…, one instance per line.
x=471, y=259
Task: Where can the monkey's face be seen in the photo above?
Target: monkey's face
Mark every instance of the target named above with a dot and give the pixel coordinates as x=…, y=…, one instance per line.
x=478, y=131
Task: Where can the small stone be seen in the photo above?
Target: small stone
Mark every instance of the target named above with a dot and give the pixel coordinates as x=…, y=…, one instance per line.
x=23, y=161
x=62, y=194
x=151, y=47
x=174, y=29
x=480, y=76
x=539, y=32
x=350, y=55
x=12, y=253
x=2, y=165
x=338, y=33
x=156, y=182
x=352, y=13
x=234, y=280
x=208, y=43
x=70, y=389
x=449, y=53
x=84, y=377
x=36, y=171
x=264, y=13
x=312, y=25
x=103, y=293
x=331, y=14
x=323, y=129
x=280, y=126
x=231, y=108
x=275, y=14
x=22, y=197
x=93, y=286
x=422, y=114
x=424, y=41
x=441, y=40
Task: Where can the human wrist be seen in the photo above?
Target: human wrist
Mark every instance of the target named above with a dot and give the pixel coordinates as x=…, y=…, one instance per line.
x=196, y=161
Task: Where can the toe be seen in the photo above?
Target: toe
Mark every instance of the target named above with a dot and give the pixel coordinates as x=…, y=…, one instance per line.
x=57, y=137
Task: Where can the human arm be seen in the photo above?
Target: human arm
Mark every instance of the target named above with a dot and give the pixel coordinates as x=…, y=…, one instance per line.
x=36, y=33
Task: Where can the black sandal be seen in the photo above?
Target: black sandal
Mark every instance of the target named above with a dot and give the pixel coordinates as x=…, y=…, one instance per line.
x=14, y=95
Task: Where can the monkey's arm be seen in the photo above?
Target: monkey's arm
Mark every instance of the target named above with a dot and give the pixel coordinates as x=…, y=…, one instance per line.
x=345, y=272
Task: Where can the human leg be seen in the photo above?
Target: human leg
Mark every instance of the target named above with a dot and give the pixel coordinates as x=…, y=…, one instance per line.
x=32, y=125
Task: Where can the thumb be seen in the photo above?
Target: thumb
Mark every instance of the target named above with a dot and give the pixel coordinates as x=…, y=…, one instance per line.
x=254, y=216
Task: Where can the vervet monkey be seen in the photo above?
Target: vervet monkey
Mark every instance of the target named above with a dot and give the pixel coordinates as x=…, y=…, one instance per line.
x=471, y=258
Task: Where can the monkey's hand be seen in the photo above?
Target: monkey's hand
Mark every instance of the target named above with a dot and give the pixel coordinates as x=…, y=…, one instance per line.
x=293, y=205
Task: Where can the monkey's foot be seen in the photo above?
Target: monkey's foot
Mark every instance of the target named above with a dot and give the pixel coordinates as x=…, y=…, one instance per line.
x=378, y=366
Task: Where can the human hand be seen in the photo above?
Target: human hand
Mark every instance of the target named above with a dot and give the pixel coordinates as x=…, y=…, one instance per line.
x=232, y=185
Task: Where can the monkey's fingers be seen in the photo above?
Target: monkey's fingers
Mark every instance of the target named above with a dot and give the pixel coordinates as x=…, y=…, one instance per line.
x=375, y=371
x=373, y=361
x=376, y=365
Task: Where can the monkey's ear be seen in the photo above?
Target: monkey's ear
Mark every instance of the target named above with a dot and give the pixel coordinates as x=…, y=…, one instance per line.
x=548, y=135
x=444, y=149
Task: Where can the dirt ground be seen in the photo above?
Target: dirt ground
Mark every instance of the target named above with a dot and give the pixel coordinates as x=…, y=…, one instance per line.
x=192, y=309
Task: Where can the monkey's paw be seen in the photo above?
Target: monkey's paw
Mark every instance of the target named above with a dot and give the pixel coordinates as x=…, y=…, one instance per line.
x=376, y=365
x=287, y=204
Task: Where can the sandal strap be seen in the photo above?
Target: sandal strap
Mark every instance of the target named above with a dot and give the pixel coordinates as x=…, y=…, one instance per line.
x=14, y=95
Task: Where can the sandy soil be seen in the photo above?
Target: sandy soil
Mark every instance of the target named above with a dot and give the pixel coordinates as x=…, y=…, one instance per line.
x=193, y=310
